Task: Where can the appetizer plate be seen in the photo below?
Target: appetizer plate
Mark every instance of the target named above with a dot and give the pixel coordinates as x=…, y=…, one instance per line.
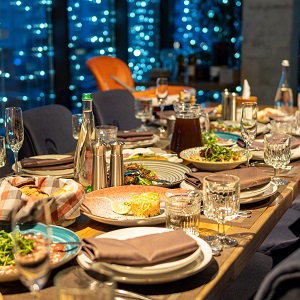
x=207, y=165
x=227, y=139
x=159, y=273
x=170, y=171
x=97, y=205
x=144, y=143
x=59, y=235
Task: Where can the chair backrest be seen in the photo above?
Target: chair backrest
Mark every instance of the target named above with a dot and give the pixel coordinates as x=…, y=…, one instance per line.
x=115, y=107
x=103, y=67
x=282, y=282
x=47, y=130
x=7, y=168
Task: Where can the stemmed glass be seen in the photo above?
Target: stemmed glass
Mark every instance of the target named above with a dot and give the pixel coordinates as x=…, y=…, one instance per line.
x=76, y=125
x=31, y=234
x=14, y=131
x=221, y=202
x=277, y=152
x=143, y=111
x=2, y=152
x=248, y=125
x=161, y=95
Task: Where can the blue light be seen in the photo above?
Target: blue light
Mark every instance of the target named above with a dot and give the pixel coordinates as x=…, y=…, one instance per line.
x=17, y=61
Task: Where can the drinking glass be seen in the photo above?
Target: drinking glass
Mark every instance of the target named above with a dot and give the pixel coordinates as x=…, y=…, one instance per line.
x=31, y=233
x=248, y=125
x=221, y=202
x=2, y=152
x=14, y=131
x=76, y=125
x=277, y=153
x=143, y=111
x=161, y=95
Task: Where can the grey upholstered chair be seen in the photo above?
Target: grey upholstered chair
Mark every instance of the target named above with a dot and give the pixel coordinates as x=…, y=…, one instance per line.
x=115, y=107
x=47, y=130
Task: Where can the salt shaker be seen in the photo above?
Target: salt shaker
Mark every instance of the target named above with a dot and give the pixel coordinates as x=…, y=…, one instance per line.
x=225, y=104
x=99, y=180
x=233, y=107
x=116, y=169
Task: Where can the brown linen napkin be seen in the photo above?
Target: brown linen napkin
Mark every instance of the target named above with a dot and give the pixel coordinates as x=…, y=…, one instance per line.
x=29, y=162
x=295, y=142
x=143, y=250
x=249, y=177
x=134, y=136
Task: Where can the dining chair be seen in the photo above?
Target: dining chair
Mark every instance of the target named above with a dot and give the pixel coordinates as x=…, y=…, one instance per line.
x=47, y=130
x=115, y=107
x=110, y=73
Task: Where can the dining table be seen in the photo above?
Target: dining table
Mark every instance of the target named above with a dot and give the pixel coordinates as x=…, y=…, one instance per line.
x=220, y=272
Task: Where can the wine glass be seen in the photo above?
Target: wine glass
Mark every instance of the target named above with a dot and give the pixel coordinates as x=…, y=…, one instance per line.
x=221, y=202
x=31, y=234
x=277, y=152
x=143, y=111
x=2, y=152
x=248, y=125
x=14, y=131
x=161, y=95
x=76, y=125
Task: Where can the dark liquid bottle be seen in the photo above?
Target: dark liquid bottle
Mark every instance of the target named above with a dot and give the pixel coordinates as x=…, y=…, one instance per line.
x=186, y=134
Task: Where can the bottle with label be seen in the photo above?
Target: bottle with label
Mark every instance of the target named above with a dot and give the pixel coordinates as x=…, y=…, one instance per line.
x=83, y=153
x=284, y=95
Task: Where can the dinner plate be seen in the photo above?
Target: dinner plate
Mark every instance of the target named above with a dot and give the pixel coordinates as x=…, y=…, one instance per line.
x=228, y=139
x=251, y=192
x=62, y=173
x=97, y=205
x=59, y=234
x=166, y=170
x=208, y=165
x=198, y=263
x=144, y=143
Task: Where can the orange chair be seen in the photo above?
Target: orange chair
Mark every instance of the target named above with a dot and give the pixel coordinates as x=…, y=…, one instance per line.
x=109, y=72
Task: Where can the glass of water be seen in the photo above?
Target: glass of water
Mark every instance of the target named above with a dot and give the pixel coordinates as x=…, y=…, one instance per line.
x=76, y=125
x=143, y=110
x=221, y=202
x=277, y=153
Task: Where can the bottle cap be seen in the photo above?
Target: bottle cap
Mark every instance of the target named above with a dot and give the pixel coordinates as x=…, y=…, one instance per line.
x=87, y=96
x=285, y=63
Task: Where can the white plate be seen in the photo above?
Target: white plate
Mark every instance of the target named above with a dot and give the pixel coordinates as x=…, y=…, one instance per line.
x=67, y=172
x=198, y=264
x=272, y=190
x=97, y=205
x=145, y=143
x=254, y=191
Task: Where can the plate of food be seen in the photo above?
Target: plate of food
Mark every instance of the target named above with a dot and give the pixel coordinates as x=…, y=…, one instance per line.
x=133, y=205
x=168, y=171
x=60, y=253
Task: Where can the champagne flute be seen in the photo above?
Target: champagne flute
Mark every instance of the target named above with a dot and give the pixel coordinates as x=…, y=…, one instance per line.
x=2, y=152
x=76, y=125
x=248, y=125
x=221, y=202
x=31, y=234
x=143, y=111
x=14, y=131
x=277, y=152
x=161, y=95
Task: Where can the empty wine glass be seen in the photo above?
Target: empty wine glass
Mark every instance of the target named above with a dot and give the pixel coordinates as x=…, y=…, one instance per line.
x=76, y=125
x=31, y=233
x=143, y=111
x=277, y=153
x=2, y=152
x=248, y=125
x=221, y=202
x=161, y=95
x=14, y=131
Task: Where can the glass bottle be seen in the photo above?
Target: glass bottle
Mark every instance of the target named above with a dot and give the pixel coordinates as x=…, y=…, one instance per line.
x=83, y=153
x=181, y=68
x=284, y=95
x=192, y=67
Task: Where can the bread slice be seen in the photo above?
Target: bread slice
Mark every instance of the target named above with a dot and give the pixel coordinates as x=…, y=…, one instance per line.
x=25, y=182
x=33, y=190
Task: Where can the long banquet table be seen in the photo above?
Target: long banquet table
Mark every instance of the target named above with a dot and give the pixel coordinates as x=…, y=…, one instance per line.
x=210, y=282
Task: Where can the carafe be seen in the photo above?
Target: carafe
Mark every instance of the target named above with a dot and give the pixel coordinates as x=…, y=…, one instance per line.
x=187, y=131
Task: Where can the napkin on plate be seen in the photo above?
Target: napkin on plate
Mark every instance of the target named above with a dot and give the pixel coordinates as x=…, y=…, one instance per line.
x=134, y=136
x=47, y=163
x=249, y=177
x=295, y=142
x=139, y=251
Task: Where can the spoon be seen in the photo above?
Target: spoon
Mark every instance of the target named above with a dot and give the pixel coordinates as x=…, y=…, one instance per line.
x=137, y=173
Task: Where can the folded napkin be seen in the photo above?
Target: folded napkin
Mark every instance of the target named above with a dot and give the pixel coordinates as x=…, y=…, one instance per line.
x=47, y=163
x=249, y=177
x=134, y=136
x=143, y=250
x=295, y=142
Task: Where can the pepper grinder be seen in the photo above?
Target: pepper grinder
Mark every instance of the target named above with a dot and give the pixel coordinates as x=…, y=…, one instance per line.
x=99, y=180
x=116, y=170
